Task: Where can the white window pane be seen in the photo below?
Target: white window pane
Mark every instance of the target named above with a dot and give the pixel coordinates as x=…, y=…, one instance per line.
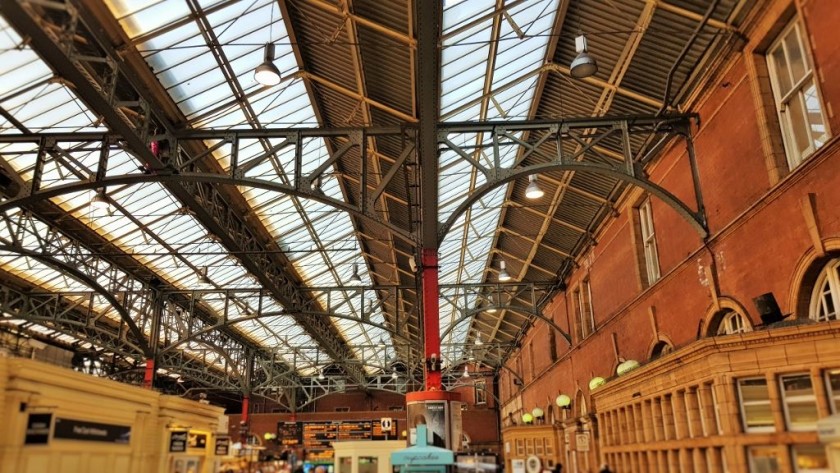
x=782, y=72
x=800, y=402
x=796, y=60
x=798, y=126
x=814, y=117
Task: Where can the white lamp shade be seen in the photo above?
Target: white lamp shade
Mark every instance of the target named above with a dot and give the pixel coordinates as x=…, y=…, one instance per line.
x=563, y=401
x=596, y=383
x=626, y=367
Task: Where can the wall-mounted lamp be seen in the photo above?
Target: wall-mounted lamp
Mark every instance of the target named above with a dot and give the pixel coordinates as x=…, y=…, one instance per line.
x=537, y=413
x=563, y=401
x=527, y=418
x=596, y=383
x=626, y=367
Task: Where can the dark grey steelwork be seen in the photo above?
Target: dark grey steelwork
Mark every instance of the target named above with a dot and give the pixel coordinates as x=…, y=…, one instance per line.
x=209, y=206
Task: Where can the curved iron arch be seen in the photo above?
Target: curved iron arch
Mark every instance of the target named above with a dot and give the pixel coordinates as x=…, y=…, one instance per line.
x=50, y=322
x=134, y=179
x=229, y=322
x=90, y=282
x=469, y=313
x=693, y=218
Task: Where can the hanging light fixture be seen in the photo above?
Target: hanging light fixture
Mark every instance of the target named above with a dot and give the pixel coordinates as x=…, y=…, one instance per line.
x=478, y=341
x=355, y=276
x=466, y=372
x=583, y=65
x=267, y=73
x=533, y=190
x=394, y=374
x=321, y=375
x=100, y=204
x=503, y=274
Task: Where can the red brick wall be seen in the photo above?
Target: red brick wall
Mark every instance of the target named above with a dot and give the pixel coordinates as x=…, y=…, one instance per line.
x=758, y=231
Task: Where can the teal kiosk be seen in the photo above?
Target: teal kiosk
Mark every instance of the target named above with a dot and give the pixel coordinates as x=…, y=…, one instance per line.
x=422, y=457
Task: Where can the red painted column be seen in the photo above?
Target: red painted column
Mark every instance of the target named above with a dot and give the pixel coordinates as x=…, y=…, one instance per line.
x=149, y=377
x=243, y=422
x=246, y=399
x=431, y=318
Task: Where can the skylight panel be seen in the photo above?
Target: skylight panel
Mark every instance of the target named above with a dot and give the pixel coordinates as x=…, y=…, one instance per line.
x=140, y=17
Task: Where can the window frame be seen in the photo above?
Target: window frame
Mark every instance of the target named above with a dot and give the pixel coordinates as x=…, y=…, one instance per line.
x=796, y=93
x=794, y=457
x=724, y=326
x=584, y=315
x=650, y=249
x=830, y=275
x=480, y=387
x=751, y=458
x=833, y=397
x=741, y=404
x=784, y=399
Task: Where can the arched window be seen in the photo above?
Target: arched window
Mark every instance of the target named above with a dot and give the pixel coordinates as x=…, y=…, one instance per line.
x=661, y=348
x=826, y=296
x=727, y=322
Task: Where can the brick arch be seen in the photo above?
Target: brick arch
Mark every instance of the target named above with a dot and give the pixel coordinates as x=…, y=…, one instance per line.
x=805, y=275
x=715, y=313
x=660, y=338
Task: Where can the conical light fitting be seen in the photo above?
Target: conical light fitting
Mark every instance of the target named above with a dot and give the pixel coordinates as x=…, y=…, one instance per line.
x=355, y=276
x=533, y=190
x=503, y=274
x=466, y=372
x=583, y=65
x=267, y=73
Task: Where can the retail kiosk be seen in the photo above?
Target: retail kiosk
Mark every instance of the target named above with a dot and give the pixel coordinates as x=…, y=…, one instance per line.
x=56, y=419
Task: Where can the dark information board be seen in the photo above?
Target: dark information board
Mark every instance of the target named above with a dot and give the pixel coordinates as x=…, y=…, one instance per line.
x=38, y=429
x=71, y=429
x=289, y=433
x=318, y=437
x=178, y=441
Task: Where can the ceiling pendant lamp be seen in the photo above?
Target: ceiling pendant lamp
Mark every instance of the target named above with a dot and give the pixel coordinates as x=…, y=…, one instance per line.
x=355, y=276
x=466, y=372
x=533, y=190
x=584, y=65
x=503, y=274
x=267, y=73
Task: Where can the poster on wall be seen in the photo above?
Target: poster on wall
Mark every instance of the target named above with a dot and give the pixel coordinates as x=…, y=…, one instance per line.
x=38, y=429
x=517, y=465
x=434, y=415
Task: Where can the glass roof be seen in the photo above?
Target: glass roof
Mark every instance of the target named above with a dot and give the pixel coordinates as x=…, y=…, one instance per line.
x=469, y=68
x=206, y=66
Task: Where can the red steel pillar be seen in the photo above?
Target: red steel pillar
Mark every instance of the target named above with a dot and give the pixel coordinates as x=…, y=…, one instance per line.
x=431, y=319
x=149, y=377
